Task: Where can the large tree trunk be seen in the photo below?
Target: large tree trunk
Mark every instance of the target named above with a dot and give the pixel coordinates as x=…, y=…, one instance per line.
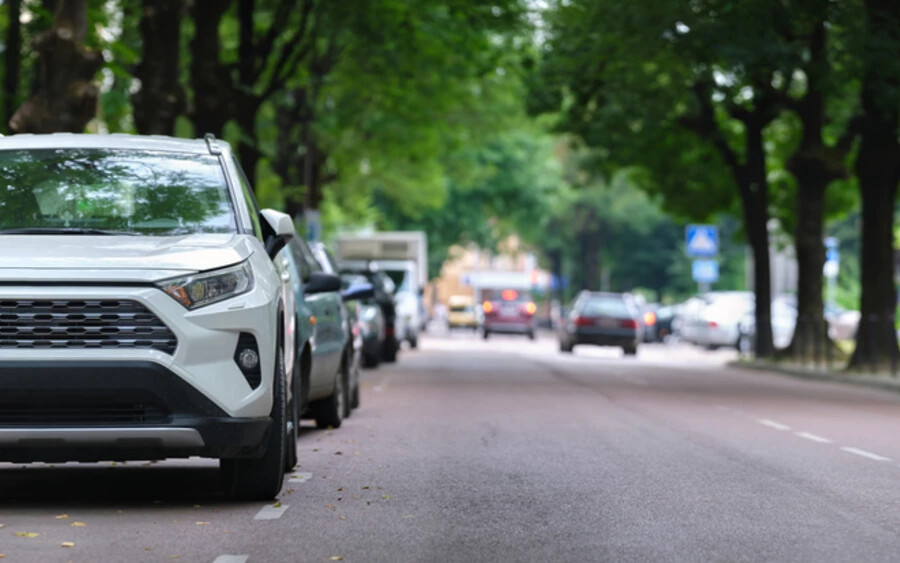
x=814, y=165
x=13, y=60
x=878, y=170
x=65, y=93
x=210, y=80
x=161, y=98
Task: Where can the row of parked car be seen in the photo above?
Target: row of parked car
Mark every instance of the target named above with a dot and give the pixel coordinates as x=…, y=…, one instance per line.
x=716, y=319
x=150, y=309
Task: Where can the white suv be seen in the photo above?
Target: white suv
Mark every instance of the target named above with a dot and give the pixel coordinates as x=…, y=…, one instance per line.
x=141, y=315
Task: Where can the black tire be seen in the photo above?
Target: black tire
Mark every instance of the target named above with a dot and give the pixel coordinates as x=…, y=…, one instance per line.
x=530, y=335
x=329, y=412
x=565, y=347
x=485, y=334
x=630, y=350
x=414, y=342
x=262, y=478
x=292, y=433
x=371, y=360
x=391, y=346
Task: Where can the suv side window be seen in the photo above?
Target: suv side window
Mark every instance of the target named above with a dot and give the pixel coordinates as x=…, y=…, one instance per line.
x=253, y=208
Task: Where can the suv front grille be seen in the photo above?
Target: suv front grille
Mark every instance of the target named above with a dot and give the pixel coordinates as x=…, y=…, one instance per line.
x=78, y=412
x=69, y=323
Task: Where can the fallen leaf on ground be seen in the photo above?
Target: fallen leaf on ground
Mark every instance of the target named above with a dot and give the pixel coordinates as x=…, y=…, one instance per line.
x=2, y=556
x=78, y=524
x=27, y=534
x=196, y=506
x=61, y=516
x=366, y=487
x=336, y=558
x=338, y=453
x=342, y=517
x=203, y=523
x=290, y=491
x=386, y=497
x=277, y=505
x=68, y=544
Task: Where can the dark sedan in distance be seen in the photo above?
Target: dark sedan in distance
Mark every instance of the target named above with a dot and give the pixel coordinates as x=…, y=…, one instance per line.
x=602, y=319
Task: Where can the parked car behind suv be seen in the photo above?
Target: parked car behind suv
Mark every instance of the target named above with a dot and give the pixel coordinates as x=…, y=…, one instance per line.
x=141, y=314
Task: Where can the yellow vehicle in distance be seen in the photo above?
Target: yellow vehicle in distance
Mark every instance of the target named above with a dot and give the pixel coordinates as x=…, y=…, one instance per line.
x=462, y=312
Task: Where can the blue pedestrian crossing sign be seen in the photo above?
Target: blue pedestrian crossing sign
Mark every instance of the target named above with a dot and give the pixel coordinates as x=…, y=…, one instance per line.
x=701, y=240
x=705, y=271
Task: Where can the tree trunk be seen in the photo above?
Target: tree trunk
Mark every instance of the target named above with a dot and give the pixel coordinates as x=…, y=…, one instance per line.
x=814, y=165
x=65, y=93
x=13, y=61
x=210, y=80
x=754, y=188
x=879, y=172
x=161, y=98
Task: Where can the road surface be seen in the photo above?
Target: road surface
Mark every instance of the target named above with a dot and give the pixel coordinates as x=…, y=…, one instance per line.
x=507, y=450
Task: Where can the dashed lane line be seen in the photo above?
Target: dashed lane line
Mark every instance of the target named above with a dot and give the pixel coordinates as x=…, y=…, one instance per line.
x=773, y=424
x=813, y=437
x=866, y=454
x=271, y=512
x=231, y=559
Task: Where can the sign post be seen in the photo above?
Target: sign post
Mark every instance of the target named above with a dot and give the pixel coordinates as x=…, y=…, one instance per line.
x=702, y=241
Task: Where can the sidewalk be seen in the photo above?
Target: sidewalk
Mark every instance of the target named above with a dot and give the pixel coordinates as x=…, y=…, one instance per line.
x=881, y=381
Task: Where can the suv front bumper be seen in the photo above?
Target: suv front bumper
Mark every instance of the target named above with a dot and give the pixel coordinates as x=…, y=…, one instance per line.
x=57, y=411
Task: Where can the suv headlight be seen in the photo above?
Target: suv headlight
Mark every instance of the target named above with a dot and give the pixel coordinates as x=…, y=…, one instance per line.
x=199, y=290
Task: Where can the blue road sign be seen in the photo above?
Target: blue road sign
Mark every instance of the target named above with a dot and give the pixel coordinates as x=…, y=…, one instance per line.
x=705, y=271
x=701, y=240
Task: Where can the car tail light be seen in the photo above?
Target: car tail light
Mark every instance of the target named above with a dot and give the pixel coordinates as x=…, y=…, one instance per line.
x=713, y=324
x=584, y=321
x=649, y=318
x=389, y=329
x=510, y=294
x=488, y=307
x=531, y=308
x=629, y=323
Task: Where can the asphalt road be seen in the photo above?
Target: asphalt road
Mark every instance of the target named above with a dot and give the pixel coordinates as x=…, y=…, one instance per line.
x=507, y=450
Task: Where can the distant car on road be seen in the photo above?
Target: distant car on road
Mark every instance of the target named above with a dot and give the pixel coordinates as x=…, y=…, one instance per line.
x=462, y=312
x=509, y=311
x=602, y=319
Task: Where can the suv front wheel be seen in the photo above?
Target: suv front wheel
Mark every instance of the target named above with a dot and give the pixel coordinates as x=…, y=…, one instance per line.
x=262, y=478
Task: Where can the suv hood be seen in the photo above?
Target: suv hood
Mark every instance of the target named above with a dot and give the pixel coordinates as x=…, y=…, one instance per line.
x=60, y=258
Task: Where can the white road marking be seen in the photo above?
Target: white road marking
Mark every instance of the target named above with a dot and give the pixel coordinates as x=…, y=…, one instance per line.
x=773, y=424
x=271, y=512
x=864, y=453
x=813, y=437
x=232, y=559
x=300, y=477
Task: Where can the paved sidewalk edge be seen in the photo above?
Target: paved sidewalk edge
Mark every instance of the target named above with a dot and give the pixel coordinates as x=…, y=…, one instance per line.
x=881, y=382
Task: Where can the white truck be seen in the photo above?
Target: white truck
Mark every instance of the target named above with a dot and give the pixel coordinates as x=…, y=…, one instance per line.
x=402, y=255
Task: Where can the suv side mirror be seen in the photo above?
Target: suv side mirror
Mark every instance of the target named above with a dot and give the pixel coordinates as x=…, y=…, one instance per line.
x=278, y=228
x=358, y=292
x=320, y=282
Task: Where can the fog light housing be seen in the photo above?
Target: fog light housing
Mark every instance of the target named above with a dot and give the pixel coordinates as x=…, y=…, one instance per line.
x=246, y=356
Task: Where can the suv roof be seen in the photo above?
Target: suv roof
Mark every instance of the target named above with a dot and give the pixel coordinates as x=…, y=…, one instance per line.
x=111, y=141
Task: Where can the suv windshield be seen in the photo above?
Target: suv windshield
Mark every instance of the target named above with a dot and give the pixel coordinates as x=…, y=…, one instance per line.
x=97, y=190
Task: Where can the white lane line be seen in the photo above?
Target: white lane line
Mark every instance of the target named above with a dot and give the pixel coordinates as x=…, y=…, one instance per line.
x=300, y=477
x=271, y=512
x=864, y=453
x=813, y=437
x=773, y=424
x=231, y=559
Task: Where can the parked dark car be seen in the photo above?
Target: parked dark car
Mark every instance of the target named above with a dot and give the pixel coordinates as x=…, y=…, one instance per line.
x=369, y=321
x=509, y=311
x=384, y=297
x=602, y=319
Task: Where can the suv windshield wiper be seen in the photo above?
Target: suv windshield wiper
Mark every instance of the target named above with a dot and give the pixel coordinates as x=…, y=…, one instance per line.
x=65, y=231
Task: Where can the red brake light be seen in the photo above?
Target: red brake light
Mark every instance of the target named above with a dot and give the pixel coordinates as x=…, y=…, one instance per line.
x=649, y=318
x=488, y=307
x=510, y=294
x=531, y=308
x=629, y=323
x=713, y=324
x=584, y=321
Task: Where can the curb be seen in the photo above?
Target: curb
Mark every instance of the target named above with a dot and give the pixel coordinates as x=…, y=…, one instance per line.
x=873, y=381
